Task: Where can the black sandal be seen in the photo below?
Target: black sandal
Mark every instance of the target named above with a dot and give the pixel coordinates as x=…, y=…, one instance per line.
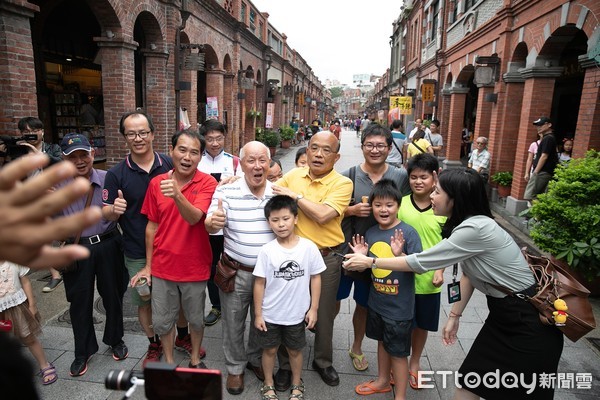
x=263, y=391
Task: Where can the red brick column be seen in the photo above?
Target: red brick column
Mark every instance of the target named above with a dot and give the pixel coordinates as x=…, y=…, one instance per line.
x=455, y=125
x=444, y=118
x=484, y=113
x=214, y=88
x=156, y=87
x=536, y=101
x=17, y=69
x=118, y=88
x=229, y=102
x=588, y=121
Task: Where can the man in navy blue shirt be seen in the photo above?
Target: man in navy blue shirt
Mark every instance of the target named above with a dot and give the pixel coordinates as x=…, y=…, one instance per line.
x=124, y=191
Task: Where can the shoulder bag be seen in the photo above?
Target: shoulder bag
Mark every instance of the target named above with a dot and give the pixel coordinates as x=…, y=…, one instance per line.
x=552, y=282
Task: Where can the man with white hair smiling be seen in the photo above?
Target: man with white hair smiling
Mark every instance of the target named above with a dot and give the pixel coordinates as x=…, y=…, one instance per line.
x=238, y=209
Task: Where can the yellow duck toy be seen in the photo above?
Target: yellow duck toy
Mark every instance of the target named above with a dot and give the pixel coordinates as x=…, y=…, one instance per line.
x=560, y=316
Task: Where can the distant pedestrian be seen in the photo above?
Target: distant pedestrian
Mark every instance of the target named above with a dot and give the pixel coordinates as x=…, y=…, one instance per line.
x=301, y=158
x=545, y=161
x=480, y=158
x=397, y=151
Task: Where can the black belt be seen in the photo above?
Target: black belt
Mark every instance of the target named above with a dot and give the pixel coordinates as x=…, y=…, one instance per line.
x=329, y=250
x=95, y=239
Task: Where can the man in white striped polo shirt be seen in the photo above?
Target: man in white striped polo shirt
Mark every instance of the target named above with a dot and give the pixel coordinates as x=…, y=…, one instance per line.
x=238, y=209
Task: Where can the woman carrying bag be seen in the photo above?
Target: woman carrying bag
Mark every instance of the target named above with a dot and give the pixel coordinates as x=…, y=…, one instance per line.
x=512, y=340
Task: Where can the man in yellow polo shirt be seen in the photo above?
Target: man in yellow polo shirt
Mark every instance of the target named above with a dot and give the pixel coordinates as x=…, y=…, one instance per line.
x=323, y=195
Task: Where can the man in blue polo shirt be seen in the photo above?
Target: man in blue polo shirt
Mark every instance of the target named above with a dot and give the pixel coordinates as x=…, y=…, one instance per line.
x=124, y=191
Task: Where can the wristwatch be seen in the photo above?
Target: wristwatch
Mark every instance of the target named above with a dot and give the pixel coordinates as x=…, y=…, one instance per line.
x=299, y=197
x=373, y=265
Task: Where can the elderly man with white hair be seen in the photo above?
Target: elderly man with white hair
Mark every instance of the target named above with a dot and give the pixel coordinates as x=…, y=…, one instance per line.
x=238, y=209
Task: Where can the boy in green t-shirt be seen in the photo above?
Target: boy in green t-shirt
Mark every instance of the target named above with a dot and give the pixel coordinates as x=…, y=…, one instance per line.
x=416, y=211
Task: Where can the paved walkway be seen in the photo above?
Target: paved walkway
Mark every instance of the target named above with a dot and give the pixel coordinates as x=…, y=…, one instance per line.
x=580, y=357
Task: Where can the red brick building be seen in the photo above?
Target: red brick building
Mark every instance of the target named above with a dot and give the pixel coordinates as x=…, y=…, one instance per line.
x=498, y=65
x=56, y=55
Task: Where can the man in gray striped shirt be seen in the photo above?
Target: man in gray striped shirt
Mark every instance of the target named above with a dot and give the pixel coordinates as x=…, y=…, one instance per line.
x=238, y=209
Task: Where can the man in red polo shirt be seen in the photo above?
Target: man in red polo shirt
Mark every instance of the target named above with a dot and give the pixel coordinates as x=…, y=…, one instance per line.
x=178, y=254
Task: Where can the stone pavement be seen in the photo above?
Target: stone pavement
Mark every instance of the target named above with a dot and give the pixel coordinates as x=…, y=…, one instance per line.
x=580, y=357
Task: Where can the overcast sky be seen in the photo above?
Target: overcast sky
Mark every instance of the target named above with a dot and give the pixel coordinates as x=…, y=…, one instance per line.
x=337, y=38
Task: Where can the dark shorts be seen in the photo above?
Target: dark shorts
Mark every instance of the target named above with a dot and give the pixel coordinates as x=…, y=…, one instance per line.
x=395, y=335
x=292, y=336
x=361, y=290
x=427, y=311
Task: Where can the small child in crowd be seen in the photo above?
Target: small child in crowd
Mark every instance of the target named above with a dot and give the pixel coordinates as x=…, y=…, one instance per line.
x=287, y=288
x=567, y=148
x=301, y=157
x=17, y=304
x=392, y=297
x=416, y=211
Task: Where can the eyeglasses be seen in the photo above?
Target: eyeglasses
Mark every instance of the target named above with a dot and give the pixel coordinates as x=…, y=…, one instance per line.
x=133, y=135
x=30, y=131
x=378, y=146
x=480, y=142
x=215, y=139
x=325, y=150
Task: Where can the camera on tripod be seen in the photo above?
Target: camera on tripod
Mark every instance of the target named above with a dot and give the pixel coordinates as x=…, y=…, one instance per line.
x=13, y=148
x=164, y=381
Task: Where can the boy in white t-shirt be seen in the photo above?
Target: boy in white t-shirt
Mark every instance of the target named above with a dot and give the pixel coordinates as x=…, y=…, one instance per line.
x=287, y=288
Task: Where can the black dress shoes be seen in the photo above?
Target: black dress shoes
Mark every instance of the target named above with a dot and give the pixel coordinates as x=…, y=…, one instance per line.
x=283, y=380
x=328, y=374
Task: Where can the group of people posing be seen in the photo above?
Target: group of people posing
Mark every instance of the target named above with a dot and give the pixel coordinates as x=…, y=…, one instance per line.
x=289, y=251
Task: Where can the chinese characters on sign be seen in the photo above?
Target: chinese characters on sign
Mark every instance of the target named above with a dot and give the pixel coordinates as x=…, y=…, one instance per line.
x=403, y=103
x=270, y=112
x=427, y=90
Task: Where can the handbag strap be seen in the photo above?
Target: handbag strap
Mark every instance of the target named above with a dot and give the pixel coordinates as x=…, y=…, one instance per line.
x=88, y=201
x=415, y=144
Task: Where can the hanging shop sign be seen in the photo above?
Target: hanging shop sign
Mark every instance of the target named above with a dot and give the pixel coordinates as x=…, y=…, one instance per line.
x=270, y=113
x=402, y=103
x=212, y=108
x=427, y=91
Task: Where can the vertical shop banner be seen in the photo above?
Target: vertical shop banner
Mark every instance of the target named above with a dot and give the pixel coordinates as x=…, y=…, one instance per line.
x=212, y=108
x=402, y=103
x=270, y=114
x=381, y=115
x=427, y=90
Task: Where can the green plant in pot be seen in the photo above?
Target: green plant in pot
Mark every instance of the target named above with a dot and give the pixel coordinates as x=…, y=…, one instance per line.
x=567, y=217
x=286, y=133
x=269, y=138
x=504, y=181
x=503, y=178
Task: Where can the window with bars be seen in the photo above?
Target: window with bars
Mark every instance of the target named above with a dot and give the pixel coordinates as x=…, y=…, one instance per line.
x=435, y=11
x=252, y=20
x=243, y=13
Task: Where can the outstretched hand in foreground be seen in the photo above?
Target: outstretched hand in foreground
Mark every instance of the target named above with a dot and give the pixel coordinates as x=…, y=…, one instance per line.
x=27, y=207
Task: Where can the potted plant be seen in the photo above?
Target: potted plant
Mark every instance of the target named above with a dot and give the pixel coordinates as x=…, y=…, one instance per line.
x=253, y=113
x=270, y=139
x=504, y=181
x=287, y=134
x=567, y=218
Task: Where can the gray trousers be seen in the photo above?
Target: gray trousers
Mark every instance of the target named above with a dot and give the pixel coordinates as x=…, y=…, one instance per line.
x=537, y=184
x=234, y=310
x=330, y=280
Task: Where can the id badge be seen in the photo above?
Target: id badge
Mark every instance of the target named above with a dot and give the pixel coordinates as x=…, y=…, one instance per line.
x=453, y=292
